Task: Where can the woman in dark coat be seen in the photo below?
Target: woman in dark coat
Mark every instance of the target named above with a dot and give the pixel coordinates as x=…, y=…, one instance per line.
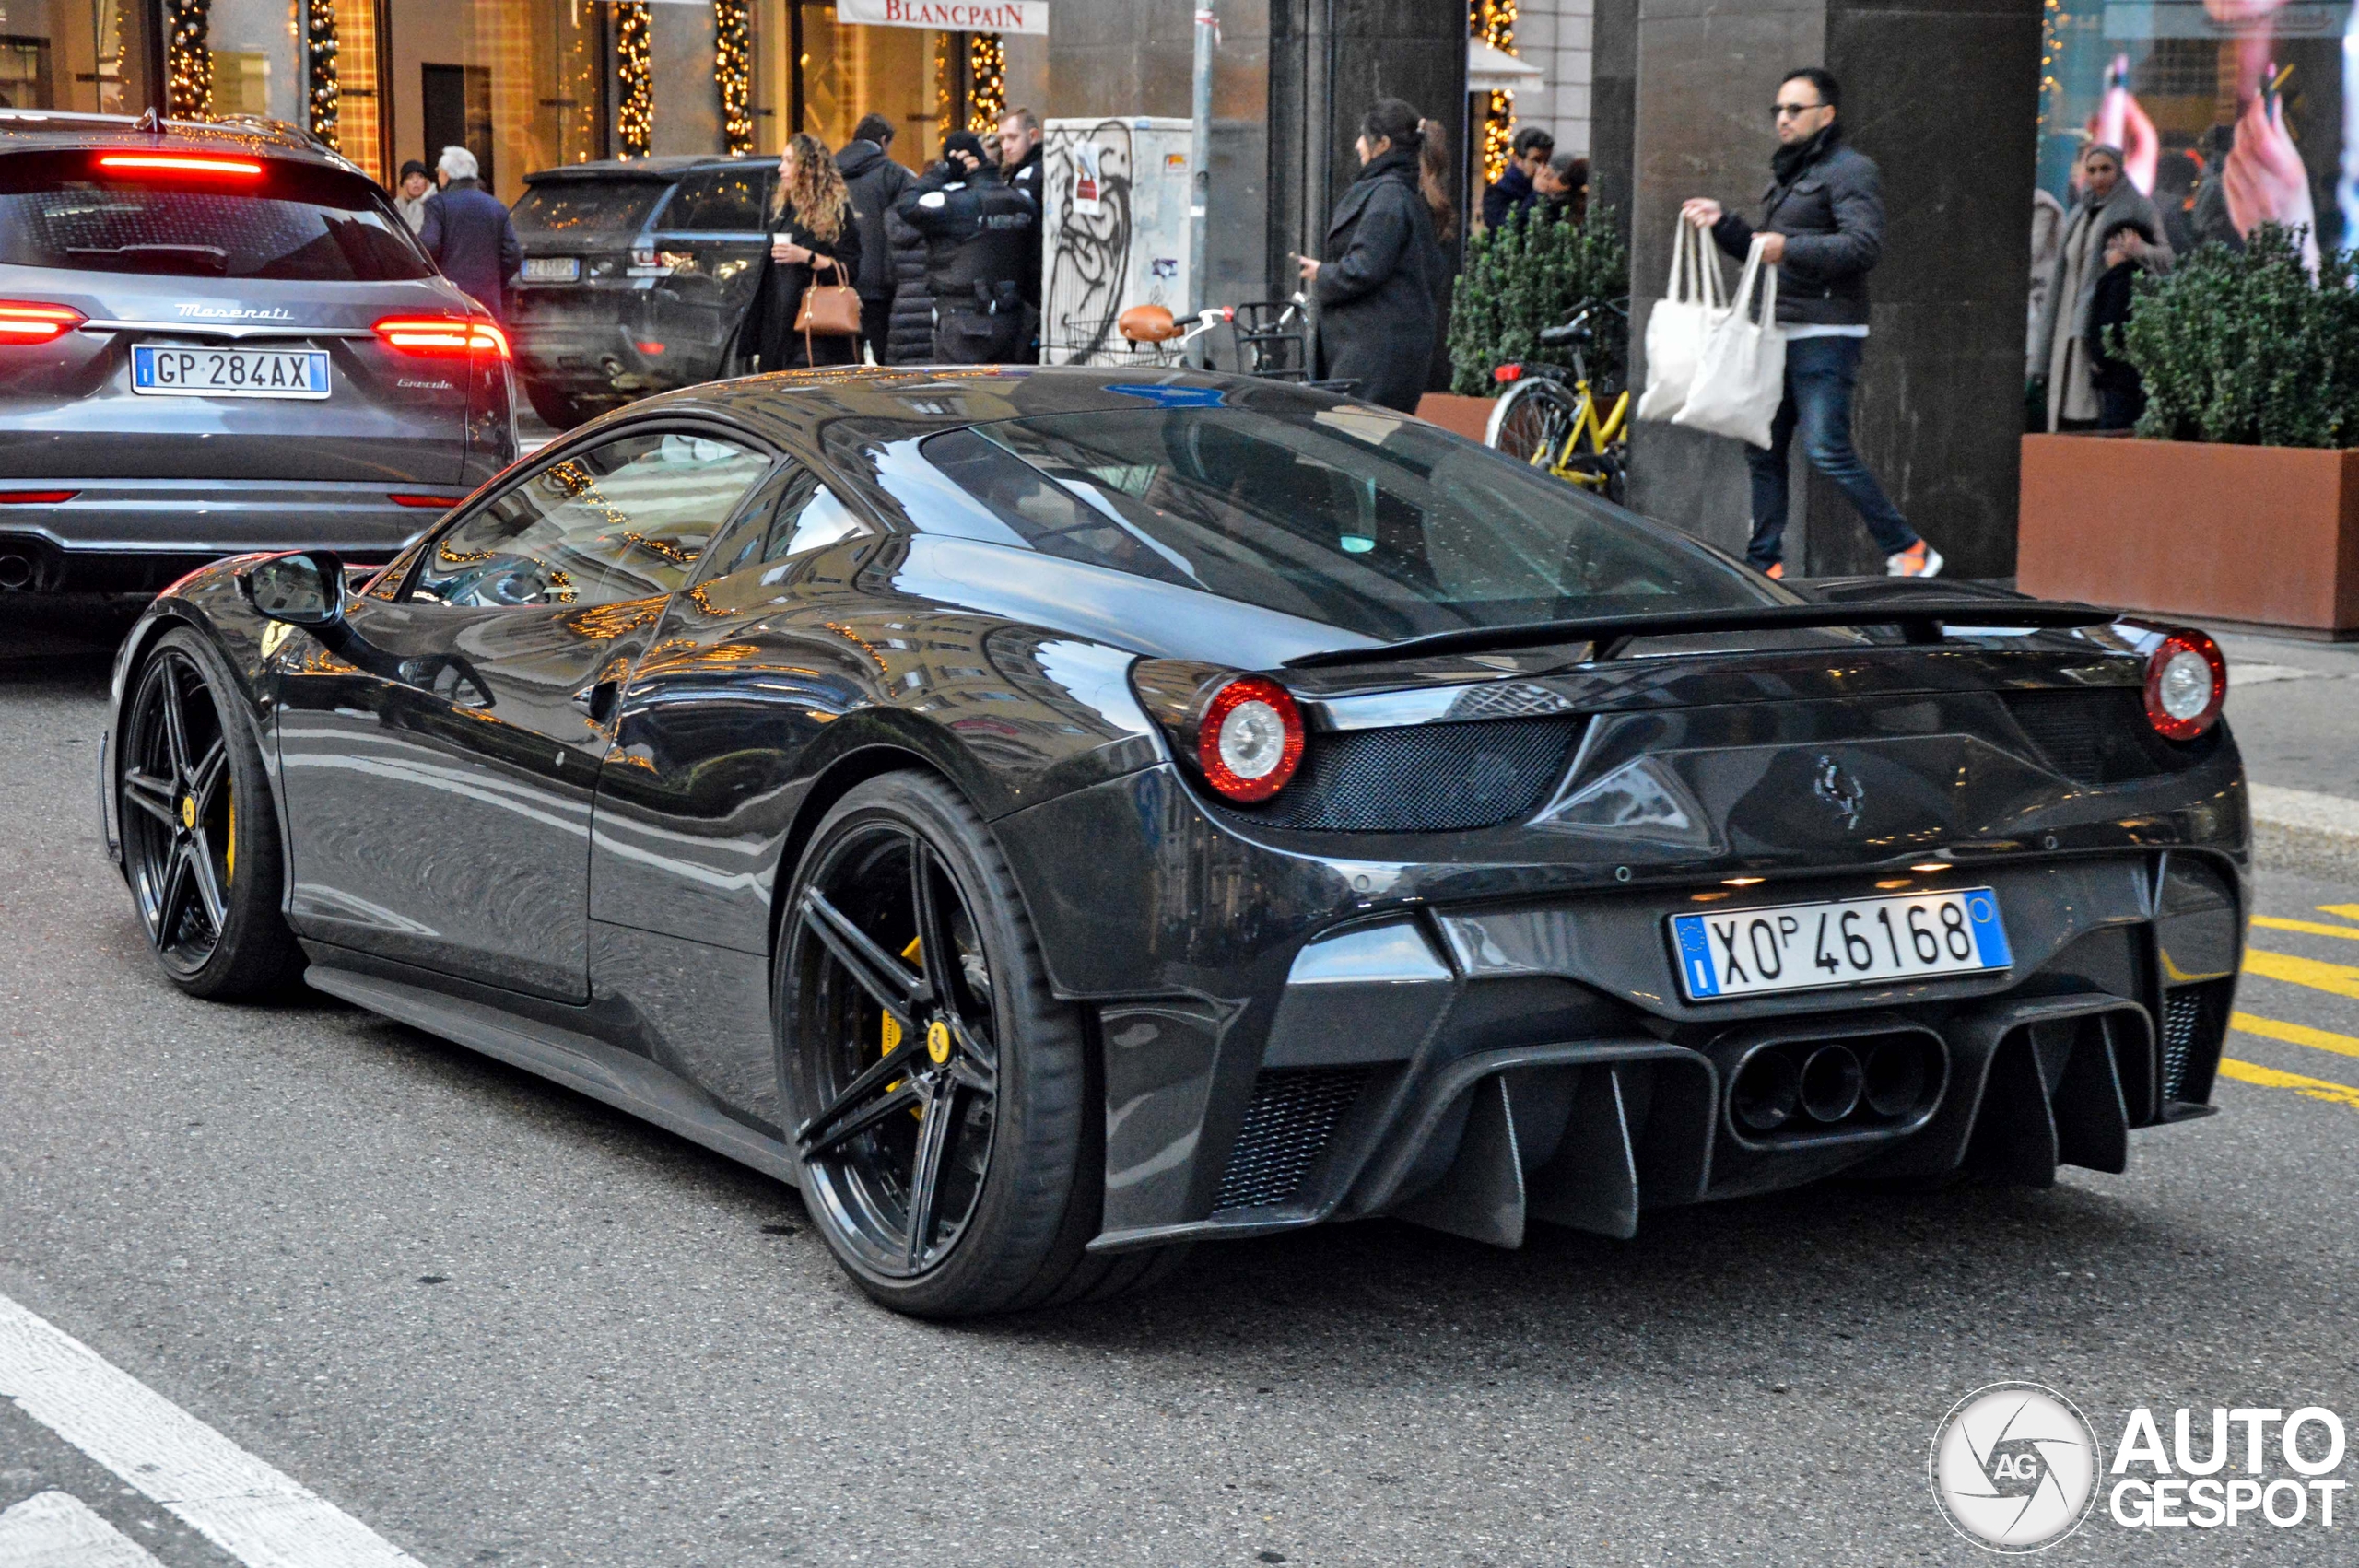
x=812, y=223
x=1376, y=299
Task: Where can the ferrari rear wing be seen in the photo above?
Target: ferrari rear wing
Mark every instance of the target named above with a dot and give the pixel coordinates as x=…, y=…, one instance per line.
x=1918, y=619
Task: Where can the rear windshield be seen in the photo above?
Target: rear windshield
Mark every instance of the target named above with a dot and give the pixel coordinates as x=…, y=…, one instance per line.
x=587, y=206
x=294, y=221
x=1355, y=516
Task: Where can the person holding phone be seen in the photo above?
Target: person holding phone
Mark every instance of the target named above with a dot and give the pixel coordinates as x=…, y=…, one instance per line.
x=979, y=235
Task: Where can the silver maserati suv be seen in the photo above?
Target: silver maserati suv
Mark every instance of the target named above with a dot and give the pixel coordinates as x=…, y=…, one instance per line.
x=217, y=339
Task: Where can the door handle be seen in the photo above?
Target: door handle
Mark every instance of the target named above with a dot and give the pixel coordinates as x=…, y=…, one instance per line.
x=597, y=699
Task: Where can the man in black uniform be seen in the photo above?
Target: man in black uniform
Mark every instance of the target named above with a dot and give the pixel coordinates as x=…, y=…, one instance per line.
x=1022, y=166
x=977, y=233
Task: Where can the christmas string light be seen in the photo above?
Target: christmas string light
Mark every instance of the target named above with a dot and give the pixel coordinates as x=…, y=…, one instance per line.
x=733, y=68
x=986, y=81
x=188, y=63
x=328, y=92
x=635, y=117
x=945, y=89
x=1493, y=21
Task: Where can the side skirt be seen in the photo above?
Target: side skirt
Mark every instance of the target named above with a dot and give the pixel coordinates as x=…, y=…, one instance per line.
x=627, y=1081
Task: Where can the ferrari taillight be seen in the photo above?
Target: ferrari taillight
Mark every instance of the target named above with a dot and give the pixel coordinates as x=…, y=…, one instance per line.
x=2187, y=682
x=441, y=336
x=1249, y=739
x=29, y=321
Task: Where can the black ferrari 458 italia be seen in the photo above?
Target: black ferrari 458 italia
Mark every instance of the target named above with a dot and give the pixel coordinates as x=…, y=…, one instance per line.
x=1052, y=816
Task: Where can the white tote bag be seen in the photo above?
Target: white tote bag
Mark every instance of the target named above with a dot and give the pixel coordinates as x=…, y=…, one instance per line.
x=1675, y=328
x=1741, y=376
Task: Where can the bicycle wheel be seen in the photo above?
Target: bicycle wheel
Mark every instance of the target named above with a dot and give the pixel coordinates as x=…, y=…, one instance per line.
x=1532, y=422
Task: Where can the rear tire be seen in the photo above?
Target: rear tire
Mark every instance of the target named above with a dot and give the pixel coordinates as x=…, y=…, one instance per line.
x=558, y=411
x=967, y=1178
x=200, y=830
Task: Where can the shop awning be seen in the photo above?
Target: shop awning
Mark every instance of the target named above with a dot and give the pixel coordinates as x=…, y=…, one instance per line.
x=1495, y=70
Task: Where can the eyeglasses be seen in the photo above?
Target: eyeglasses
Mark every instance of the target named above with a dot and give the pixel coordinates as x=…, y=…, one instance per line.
x=1780, y=110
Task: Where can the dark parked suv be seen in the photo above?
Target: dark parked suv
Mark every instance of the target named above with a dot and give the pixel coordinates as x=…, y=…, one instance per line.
x=217, y=339
x=636, y=277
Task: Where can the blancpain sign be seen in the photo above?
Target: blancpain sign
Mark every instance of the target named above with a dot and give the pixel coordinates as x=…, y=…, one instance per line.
x=954, y=15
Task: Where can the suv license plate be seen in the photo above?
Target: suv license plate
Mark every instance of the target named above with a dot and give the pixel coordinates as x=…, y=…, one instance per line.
x=1854, y=941
x=552, y=269
x=161, y=370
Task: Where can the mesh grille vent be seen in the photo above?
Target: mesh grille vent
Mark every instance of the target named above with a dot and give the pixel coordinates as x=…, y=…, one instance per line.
x=1293, y=1113
x=1423, y=778
x=2182, y=1019
x=2101, y=736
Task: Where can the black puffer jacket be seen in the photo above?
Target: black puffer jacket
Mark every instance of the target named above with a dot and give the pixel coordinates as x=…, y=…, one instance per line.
x=875, y=182
x=911, y=340
x=1828, y=202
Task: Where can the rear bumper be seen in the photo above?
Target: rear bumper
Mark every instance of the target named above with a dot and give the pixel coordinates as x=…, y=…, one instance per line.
x=140, y=533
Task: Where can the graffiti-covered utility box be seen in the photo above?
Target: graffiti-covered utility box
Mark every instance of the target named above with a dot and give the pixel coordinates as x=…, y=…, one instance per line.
x=1115, y=233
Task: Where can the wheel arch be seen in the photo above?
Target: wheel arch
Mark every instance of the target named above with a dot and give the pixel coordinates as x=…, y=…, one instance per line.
x=840, y=778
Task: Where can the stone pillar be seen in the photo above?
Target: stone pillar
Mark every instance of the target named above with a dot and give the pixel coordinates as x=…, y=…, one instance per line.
x=1944, y=95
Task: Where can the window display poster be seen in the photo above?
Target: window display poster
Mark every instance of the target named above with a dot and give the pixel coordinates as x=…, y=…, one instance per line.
x=2229, y=113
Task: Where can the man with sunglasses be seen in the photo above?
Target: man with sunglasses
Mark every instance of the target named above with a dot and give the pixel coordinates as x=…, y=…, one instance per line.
x=1823, y=219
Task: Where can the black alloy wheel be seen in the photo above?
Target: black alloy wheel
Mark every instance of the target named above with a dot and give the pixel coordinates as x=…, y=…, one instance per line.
x=200, y=838
x=940, y=1097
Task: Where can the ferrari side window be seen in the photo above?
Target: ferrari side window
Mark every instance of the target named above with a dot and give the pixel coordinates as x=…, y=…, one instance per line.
x=628, y=519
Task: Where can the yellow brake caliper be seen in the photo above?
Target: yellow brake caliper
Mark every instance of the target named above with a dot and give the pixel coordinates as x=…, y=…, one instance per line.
x=893, y=1027
x=229, y=862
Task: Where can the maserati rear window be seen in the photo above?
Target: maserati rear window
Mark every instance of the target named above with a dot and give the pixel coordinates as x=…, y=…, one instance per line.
x=293, y=222
x=1355, y=516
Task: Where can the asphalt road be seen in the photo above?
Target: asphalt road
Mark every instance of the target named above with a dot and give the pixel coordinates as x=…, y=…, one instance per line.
x=501, y=1324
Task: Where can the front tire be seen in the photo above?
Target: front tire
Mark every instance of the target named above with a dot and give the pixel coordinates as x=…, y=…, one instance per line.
x=943, y=1101
x=200, y=834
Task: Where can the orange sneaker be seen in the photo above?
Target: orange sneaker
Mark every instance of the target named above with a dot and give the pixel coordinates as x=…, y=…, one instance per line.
x=1774, y=571
x=1919, y=560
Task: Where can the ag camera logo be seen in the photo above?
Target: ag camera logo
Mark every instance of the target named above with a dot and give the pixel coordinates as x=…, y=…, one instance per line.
x=2015, y=1466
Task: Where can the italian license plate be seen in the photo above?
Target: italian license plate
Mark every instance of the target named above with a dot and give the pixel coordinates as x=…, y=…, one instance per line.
x=552, y=269
x=1853, y=942
x=161, y=370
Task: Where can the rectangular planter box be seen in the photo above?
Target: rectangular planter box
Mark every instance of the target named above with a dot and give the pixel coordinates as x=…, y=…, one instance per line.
x=1468, y=417
x=2264, y=535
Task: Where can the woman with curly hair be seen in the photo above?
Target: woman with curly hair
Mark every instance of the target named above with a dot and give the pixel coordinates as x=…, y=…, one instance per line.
x=813, y=234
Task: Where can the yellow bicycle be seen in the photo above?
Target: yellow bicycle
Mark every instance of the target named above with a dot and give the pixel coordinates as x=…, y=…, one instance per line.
x=1549, y=415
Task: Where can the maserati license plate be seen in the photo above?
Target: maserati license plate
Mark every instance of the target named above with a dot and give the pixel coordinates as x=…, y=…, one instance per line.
x=552, y=269
x=1852, y=941
x=161, y=370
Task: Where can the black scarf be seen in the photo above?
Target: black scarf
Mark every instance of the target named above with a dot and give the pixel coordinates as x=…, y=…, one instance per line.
x=1392, y=163
x=1787, y=162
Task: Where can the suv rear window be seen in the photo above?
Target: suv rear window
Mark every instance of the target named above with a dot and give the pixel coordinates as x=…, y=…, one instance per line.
x=294, y=221
x=587, y=206
x=720, y=201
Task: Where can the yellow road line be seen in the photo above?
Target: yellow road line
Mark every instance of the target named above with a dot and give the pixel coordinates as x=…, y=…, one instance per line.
x=2309, y=1088
x=2348, y=911
x=2315, y=928
x=2341, y=979
x=2295, y=1034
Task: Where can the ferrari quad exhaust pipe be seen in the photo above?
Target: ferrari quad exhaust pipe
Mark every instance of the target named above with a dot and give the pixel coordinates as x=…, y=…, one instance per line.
x=1782, y=1088
x=1832, y=1080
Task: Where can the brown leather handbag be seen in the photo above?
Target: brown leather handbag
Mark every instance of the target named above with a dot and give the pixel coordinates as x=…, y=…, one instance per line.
x=831, y=309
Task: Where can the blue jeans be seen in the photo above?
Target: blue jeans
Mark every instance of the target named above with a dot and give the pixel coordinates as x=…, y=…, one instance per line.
x=1821, y=373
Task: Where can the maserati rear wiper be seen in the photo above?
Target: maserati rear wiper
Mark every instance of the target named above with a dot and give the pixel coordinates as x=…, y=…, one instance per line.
x=1920, y=620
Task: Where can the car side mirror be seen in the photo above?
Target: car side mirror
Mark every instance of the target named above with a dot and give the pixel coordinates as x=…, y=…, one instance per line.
x=301, y=590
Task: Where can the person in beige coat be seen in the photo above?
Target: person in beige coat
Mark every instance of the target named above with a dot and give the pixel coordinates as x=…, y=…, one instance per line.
x=2108, y=201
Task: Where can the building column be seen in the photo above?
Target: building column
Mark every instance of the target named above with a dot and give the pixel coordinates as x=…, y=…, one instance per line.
x=1944, y=95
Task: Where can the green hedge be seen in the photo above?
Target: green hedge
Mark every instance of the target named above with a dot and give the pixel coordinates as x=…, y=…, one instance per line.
x=2244, y=347
x=1529, y=274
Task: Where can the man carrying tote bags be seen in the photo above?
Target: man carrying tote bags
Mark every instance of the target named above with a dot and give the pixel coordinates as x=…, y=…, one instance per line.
x=1822, y=228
